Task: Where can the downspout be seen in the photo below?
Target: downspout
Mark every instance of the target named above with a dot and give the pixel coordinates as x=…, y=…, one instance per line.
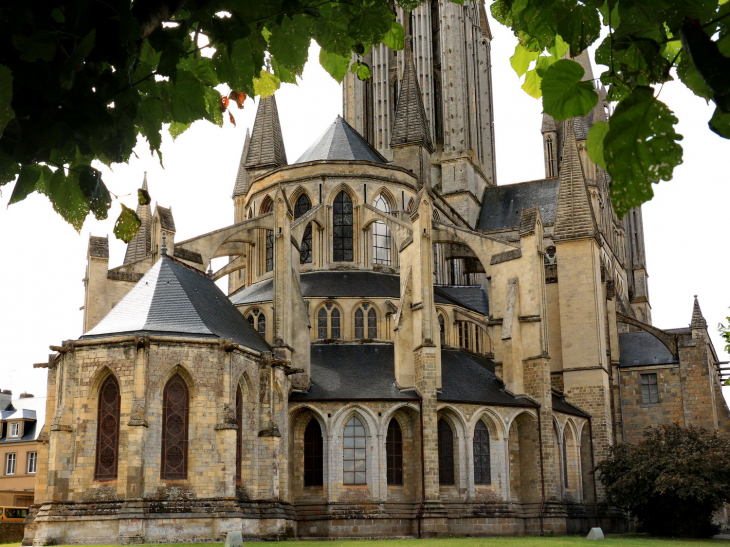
x=593, y=464
x=542, y=472
x=423, y=471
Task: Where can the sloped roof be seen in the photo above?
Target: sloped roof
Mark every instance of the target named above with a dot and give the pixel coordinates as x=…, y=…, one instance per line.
x=266, y=148
x=28, y=408
x=240, y=187
x=472, y=297
x=341, y=142
x=643, y=348
x=560, y=404
x=502, y=206
x=174, y=299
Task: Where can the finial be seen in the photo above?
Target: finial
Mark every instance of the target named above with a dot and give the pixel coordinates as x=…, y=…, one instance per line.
x=164, y=243
x=144, y=181
x=210, y=269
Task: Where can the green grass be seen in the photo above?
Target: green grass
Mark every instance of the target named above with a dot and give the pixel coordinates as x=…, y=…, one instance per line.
x=628, y=540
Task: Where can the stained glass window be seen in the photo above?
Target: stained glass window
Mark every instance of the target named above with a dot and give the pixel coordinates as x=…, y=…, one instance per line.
x=305, y=249
x=342, y=237
x=175, y=430
x=482, y=465
x=107, y=436
x=354, y=452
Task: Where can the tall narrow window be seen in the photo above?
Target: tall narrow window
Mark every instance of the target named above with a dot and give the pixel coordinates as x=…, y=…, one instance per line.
x=342, y=236
x=482, y=464
x=313, y=454
x=107, y=434
x=303, y=205
x=565, y=463
x=269, y=250
x=175, y=430
x=394, y=453
x=477, y=339
x=335, y=324
x=262, y=325
x=359, y=324
x=10, y=464
x=649, y=389
x=442, y=329
x=372, y=324
x=354, y=453
x=552, y=170
x=446, y=452
x=322, y=324
x=32, y=462
x=381, y=234
x=239, y=432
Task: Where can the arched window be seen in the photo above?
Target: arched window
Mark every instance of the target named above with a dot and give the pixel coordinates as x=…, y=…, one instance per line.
x=411, y=205
x=359, y=324
x=372, y=324
x=381, y=234
x=258, y=320
x=269, y=250
x=328, y=323
x=313, y=454
x=353, y=458
x=239, y=431
x=552, y=170
x=482, y=464
x=175, y=430
x=107, y=437
x=342, y=236
x=446, y=452
x=262, y=325
x=305, y=249
x=394, y=453
x=463, y=334
x=565, y=463
x=442, y=329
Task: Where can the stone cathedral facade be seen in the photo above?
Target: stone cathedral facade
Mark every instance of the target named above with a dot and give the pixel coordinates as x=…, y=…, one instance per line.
x=405, y=348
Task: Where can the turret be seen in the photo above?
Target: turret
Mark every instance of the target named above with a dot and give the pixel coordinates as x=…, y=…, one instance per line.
x=141, y=245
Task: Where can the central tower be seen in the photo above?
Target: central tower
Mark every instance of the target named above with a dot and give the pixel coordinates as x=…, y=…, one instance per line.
x=451, y=53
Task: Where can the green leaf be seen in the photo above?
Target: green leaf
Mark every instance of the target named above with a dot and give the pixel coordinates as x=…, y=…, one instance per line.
x=95, y=191
x=39, y=46
x=284, y=74
x=533, y=84
x=143, y=197
x=9, y=168
x=176, y=129
x=688, y=74
x=213, y=106
x=395, y=37
x=361, y=70
x=149, y=120
x=127, y=225
x=6, y=97
x=69, y=200
x=564, y=94
x=720, y=123
x=58, y=15
x=266, y=84
x=29, y=177
x=594, y=143
x=559, y=49
x=580, y=28
x=522, y=59
x=289, y=43
x=336, y=65
x=187, y=98
x=640, y=148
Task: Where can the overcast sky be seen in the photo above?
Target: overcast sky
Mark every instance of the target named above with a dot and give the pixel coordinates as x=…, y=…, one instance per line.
x=43, y=259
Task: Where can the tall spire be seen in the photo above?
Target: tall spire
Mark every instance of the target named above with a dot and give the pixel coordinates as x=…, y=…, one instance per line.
x=240, y=187
x=410, y=125
x=698, y=320
x=141, y=244
x=574, y=217
x=266, y=148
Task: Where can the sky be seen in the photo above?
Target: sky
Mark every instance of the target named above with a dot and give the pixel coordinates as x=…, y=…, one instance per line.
x=43, y=259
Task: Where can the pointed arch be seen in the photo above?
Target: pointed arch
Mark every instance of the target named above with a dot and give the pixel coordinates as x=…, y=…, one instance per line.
x=266, y=205
x=343, y=236
x=388, y=196
x=394, y=453
x=239, y=431
x=329, y=321
x=481, y=453
x=365, y=321
x=99, y=377
x=186, y=376
x=354, y=454
x=337, y=190
x=446, y=452
x=175, y=419
x=381, y=232
x=107, y=424
x=313, y=454
x=302, y=205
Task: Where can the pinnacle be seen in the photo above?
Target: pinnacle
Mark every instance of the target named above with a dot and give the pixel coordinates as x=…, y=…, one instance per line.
x=698, y=320
x=266, y=148
x=141, y=244
x=410, y=125
x=239, y=188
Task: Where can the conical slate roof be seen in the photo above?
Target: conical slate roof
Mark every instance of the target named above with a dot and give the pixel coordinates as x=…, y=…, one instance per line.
x=240, y=187
x=341, y=142
x=698, y=320
x=141, y=243
x=266, y=148
x=174, y=299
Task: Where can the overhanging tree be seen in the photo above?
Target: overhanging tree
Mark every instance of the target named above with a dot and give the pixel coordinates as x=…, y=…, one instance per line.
x=80, y=79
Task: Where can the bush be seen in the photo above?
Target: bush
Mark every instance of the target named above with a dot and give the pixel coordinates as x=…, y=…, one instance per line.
x=672, y=481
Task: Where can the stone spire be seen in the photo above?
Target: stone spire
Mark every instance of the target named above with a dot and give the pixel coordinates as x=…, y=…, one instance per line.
x=548, y=123
x=574, y=215
x=484, y=22
x=698, y=320
x=240, y=187
x=266, y=148
x=410, y=125
x=141, y=244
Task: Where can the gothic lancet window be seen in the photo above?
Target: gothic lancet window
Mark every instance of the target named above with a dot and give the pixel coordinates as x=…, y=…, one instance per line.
x=328, y=323
x=239, y=432
x=446, y=453
x=313, y=454
x=394, y=453
x=442, y=329
x=361, y=330
x=565, y=463
x=335, y=324
x=262, y=325
x=353, y=459
x=381, y=234
x=482, y=464
x=175, y=430
x=269, y=250
x=322, y=324
x=107, y=437
x=552, y=170
x=372, y=323
x=305, y=249
x=359, y=324
x=258, y=320
x=342, y=236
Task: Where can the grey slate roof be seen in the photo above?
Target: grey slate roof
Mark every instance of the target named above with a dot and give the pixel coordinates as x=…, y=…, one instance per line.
x=174, y=299
x=561, y=405
x=241, y=179
x=31, y=408
x=341, y=142
x=353, y=284
x=502, y=206
x=641, y=349
x=167, y=222
x=367, y=371
x=352, y=371
x=266, y=148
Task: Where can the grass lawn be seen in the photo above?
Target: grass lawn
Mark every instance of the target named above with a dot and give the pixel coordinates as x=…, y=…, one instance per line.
x=628, y=540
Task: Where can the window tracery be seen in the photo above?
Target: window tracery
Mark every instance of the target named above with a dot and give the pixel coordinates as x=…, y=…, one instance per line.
x=342, y=222
x=175, y=430
x=107, y=437
x=482, y=463
x=353, y=459
x=303, y=205
x=381, y=234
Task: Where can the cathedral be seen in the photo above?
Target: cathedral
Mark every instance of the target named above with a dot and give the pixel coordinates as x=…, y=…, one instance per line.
x=405, y=348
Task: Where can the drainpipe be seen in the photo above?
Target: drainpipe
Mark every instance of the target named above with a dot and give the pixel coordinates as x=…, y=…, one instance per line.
x=593, y=464
x=423, y=471
x=542, y=472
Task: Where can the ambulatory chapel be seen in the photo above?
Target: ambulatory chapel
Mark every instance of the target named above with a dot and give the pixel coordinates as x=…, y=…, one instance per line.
x=405, y=348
